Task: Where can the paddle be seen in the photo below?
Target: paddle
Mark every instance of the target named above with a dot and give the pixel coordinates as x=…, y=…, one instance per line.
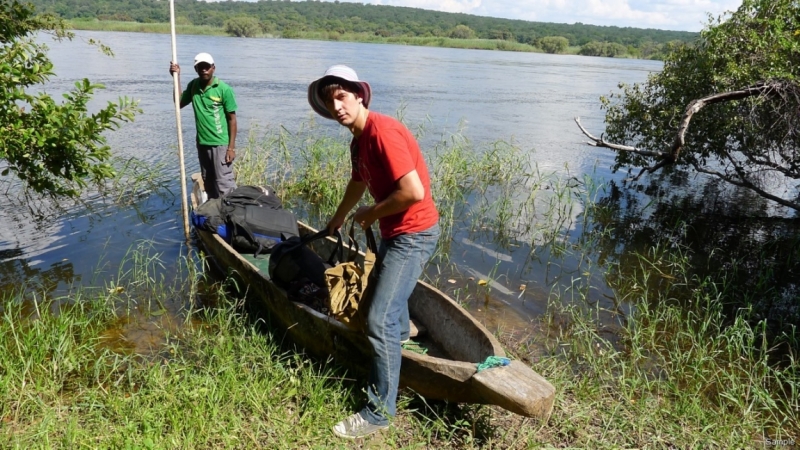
x=177, y=98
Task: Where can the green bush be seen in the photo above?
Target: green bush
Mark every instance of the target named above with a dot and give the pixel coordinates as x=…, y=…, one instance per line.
x=461, y=32
x=554, y=44
x=242, y=26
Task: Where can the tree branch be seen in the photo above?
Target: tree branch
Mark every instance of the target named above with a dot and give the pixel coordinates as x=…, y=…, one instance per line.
x=670, y=156
x=599, y=142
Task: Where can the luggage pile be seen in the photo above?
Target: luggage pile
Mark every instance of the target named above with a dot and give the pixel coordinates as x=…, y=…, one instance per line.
x=253, y=221
x=250, y=218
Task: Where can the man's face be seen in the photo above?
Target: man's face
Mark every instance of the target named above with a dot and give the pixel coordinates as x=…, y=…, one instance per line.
x=205, y=71
x=344, y=106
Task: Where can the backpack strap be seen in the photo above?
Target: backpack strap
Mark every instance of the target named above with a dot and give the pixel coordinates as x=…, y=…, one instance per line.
x=323, y=234
x=240, y=229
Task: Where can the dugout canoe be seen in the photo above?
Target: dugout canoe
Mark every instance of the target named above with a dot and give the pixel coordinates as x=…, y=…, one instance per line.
x=455, y=340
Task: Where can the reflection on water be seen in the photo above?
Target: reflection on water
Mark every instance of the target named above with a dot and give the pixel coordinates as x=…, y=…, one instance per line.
x=724, y=235
x=18, y=272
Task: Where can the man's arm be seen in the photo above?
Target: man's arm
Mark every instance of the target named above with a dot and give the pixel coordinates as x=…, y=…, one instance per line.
x=231, y=153
x=409, y=191
x=175, y=69
x=352, y=194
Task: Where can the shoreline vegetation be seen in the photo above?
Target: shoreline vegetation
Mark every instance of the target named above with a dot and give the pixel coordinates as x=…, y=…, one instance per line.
x=358, y=22
x=671, y=370
x=206, y=30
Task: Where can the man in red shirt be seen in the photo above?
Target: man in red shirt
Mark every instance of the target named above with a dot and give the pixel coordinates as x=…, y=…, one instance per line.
x=387, y=161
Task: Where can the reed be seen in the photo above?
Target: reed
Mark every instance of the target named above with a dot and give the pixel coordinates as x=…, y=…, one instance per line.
x=493, y=188
x=673, y=371
x=138, y=27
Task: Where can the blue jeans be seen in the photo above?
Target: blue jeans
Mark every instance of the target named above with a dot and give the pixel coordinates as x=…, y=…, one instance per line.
x=402, y=260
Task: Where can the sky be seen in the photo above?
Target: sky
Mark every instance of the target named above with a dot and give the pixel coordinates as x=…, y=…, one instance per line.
x=684, y=15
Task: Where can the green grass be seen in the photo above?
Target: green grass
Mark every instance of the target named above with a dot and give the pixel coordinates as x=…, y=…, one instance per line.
x=667, y=375
x=219, y=384
x=493, y=188
x=137, y=27
x=217, y=380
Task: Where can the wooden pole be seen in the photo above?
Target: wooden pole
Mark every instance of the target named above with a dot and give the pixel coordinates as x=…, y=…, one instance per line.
x=177, y=98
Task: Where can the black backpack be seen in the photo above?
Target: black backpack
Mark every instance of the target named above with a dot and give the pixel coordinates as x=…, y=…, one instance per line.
x=292, y=263
x=250, y=218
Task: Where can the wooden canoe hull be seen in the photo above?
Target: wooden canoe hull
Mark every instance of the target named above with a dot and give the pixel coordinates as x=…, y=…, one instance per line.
x=516, y=387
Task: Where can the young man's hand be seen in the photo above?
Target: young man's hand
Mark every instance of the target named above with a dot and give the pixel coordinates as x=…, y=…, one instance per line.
x=230, y=155
x=364, y=217
x=174, y=68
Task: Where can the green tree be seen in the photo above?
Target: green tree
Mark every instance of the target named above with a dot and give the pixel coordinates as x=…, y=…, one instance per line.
x=53, y=148
x=738, y=89
x=592, y=48
x=613, y=49
x=242, y=26
x=461, y=32
x=554, y=44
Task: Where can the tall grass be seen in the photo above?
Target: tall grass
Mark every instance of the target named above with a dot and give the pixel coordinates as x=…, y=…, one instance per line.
x=491, y=188
x=218, y=381
x=669, y=374
x=215, y=382
x=138, y=27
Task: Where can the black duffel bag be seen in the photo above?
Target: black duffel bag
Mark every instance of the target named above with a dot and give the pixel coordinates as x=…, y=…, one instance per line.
x=257, y=229
x=292, y=262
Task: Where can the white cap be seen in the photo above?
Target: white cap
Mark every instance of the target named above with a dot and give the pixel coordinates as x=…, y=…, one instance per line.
x=203, y=57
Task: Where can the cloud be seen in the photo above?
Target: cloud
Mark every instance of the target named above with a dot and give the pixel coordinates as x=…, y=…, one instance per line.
x=689, y=15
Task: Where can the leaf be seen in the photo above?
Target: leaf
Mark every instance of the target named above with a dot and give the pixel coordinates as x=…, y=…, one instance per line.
x=482, y=282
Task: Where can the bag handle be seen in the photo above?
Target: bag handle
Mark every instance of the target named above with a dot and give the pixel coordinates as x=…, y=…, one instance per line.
x=351, y=256
x=321, y=234
x=372, y=245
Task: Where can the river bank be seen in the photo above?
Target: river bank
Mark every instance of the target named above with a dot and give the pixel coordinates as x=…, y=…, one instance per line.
x=164, y=28
x=216, y=378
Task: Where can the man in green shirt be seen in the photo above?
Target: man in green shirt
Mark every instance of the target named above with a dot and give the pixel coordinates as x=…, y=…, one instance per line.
x=215, y=119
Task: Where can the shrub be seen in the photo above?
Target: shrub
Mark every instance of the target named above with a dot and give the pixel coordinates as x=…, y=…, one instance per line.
x=242, y=26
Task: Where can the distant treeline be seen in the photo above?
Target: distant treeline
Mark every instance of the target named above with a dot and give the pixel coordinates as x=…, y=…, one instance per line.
x=301, y=18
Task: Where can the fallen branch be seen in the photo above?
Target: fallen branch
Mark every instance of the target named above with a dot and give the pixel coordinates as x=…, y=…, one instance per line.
x=670, y=156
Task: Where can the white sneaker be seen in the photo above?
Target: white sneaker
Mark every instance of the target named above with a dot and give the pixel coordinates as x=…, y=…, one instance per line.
x=355, y=427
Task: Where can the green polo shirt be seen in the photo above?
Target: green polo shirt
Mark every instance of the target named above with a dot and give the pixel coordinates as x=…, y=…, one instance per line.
x=210, y=106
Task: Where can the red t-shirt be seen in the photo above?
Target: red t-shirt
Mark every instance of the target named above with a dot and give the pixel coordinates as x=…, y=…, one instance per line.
x=385, y=152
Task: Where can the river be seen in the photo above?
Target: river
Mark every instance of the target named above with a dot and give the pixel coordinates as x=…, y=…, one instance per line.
x=530, y=99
